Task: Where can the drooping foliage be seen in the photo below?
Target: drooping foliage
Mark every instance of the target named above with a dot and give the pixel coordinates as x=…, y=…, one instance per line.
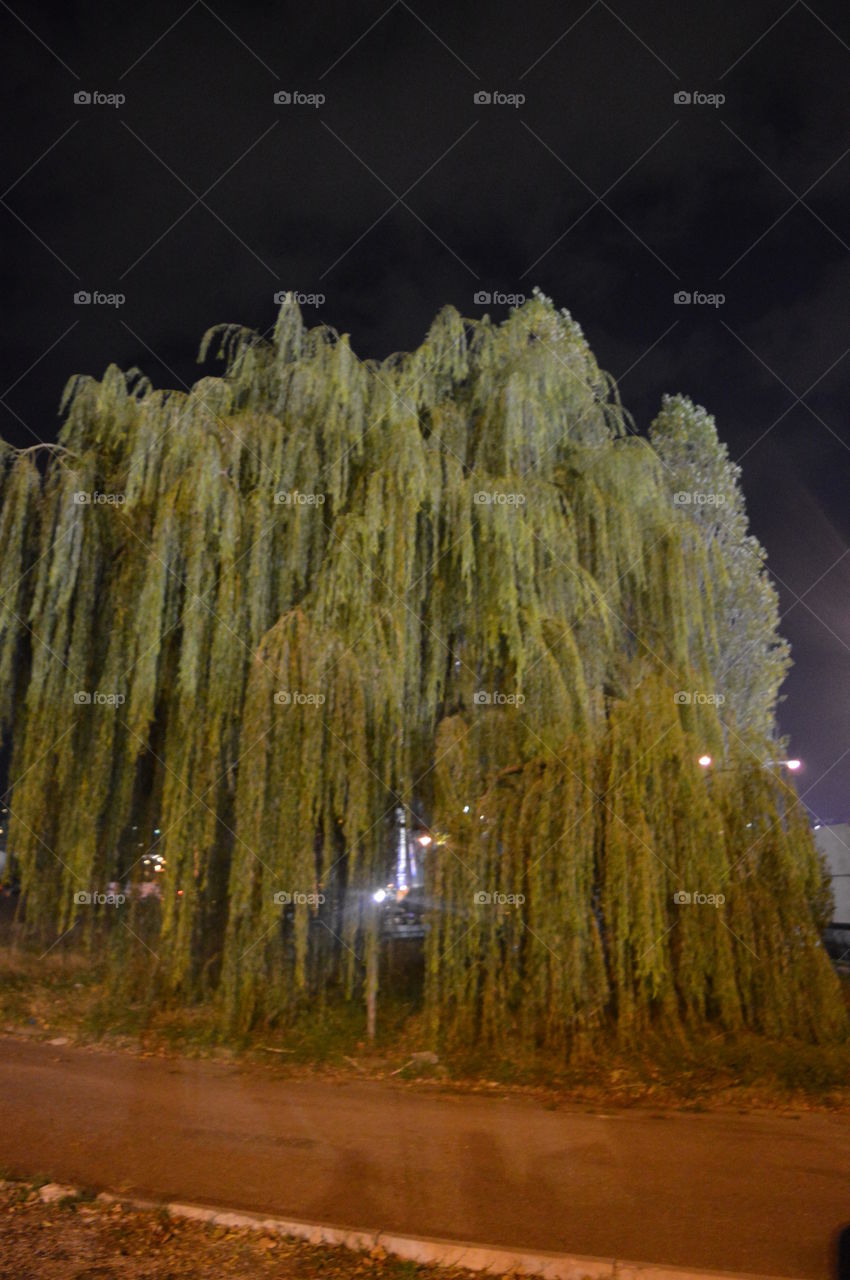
x=257, y=618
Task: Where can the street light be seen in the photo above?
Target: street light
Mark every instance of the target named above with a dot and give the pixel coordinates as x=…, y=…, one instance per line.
x=706, y=762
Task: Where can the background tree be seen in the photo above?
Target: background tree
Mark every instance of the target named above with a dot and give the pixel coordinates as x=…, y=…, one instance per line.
x=748, y=658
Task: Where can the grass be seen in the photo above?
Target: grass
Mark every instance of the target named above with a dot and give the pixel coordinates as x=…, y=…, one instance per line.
x=64, y=993
x=87, y=1237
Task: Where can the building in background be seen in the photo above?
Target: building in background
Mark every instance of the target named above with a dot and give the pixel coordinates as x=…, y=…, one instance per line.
x=833, y=841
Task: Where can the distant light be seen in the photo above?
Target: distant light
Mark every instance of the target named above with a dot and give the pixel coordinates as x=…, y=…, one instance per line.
x=466, y=808
x=793, y=764
x=157, y=831
x=481, y=817
x=817, y=826
x=423, y=840
x=705, y=761
x=379, y=895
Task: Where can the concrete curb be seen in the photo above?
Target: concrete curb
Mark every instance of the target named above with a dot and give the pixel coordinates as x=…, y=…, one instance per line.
x=441, y=1253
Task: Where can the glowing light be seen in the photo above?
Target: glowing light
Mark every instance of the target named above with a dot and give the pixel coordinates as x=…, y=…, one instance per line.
x=379, y=895
x=705, y=761
x=793, y=764
x=423, y=840
x=466, y=808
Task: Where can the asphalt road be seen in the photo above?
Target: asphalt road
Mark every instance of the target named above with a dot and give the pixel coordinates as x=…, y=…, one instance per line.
x=755, y=1193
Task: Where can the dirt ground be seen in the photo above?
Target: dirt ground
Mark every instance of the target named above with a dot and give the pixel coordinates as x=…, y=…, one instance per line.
x=95, y=1240
x=63, y=999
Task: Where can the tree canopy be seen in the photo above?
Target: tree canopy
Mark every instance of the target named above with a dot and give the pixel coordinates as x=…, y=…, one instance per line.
x=258, y=616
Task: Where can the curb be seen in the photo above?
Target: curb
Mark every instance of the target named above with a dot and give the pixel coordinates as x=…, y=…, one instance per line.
x=443, y=1253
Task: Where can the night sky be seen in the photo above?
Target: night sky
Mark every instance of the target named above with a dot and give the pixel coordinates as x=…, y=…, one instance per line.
x=199, y=197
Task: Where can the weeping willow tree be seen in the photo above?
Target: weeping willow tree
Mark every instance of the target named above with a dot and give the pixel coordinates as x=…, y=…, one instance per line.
x=260, y=617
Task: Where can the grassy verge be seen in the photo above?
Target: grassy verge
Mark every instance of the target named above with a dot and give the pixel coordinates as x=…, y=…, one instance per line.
x=88, y=1237
x=61, y=996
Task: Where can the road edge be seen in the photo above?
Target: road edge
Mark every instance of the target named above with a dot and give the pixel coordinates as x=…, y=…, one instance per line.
x=429, y=1250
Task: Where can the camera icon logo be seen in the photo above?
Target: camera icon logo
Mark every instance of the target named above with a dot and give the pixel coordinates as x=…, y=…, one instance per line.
x=682, y=298
x=82, y=298
x=682, y=498
x=82, y=899
x=482, y=298
x=81, y=698
x=681, y=898
x=82, y=499
x=481, y=697
x=482, y=97
x=283, y=698
x=82, y=98
x=282, y=97
x=482, y=898
x=682, y=98
x=283, y=899
x=682, y=698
